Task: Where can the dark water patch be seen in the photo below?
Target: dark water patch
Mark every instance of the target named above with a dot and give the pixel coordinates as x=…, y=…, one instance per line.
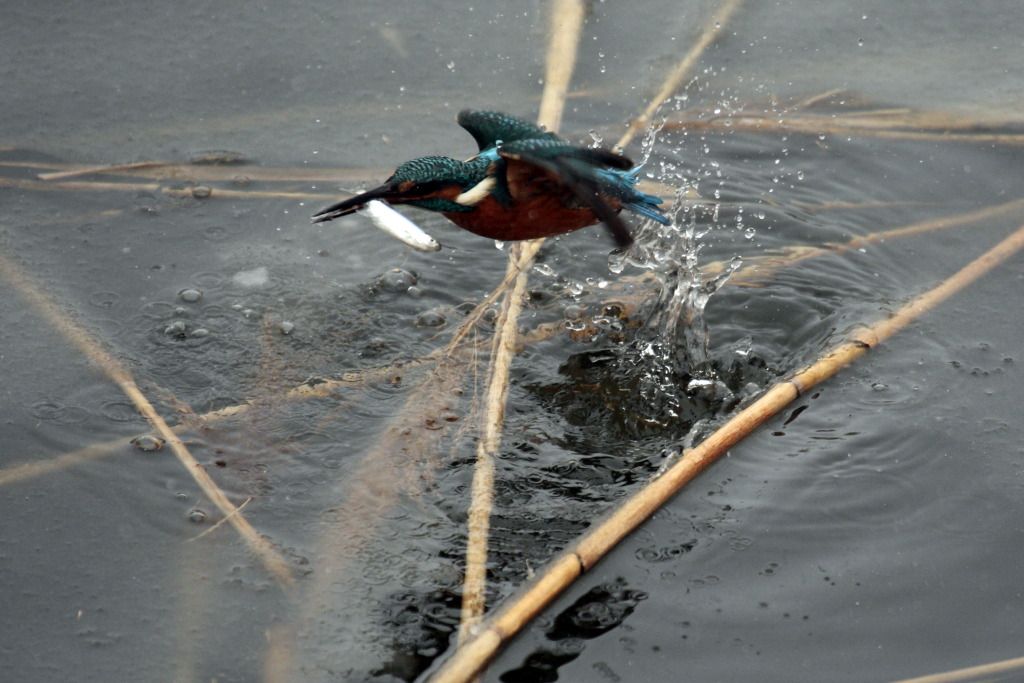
x=603, y=608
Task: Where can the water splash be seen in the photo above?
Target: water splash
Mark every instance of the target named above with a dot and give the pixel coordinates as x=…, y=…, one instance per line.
x=669, y=360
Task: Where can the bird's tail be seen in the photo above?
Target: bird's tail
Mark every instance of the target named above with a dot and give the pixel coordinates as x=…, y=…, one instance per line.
x=647, y=205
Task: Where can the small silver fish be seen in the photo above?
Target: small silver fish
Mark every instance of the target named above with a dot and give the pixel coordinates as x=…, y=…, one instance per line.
x=399, y=227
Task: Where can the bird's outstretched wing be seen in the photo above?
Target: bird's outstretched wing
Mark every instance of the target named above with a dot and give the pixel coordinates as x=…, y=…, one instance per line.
x=579, y=170
x=490, y=127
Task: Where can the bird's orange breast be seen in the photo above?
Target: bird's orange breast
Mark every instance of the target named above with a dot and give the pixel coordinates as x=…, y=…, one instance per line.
x=540, y=216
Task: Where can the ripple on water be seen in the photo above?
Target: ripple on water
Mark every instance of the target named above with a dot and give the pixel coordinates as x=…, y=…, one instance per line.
x=58, y=412
x=104, y=299
x=119, y=411
x=208, y=280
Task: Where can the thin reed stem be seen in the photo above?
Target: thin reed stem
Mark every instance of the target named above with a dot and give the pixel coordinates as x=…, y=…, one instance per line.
x=79, y=337
x=675, y=78
x=567, y=26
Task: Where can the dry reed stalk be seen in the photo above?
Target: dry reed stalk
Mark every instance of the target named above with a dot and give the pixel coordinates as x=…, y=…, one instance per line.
x=236, y=511
x=30, y=470
x=109, y=168
x=322, y=388
x=212, y=173
x=983, y=672
x=470, y=657
x=814, y=99
x=567, y=26
x=117, y=373
x=502, y=350
x=167, y=170
x=675, y=78
x=913, y=119
x=194, y=191
x=884, y=128
x=763, y=266
x=77, y=186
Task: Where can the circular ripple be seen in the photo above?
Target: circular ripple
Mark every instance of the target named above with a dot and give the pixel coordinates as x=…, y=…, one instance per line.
x=119, y=411
x=208, y=280
x=103, y=299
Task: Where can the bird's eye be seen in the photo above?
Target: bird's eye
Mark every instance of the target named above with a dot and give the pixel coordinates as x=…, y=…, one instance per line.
x=425, y=188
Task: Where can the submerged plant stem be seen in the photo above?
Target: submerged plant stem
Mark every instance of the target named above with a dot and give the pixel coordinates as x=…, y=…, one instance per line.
x=117, y=373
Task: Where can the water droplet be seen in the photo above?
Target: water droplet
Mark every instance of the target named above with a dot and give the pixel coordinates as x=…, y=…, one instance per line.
x=190, y=295
x=176, y=329
x=148, y=443
x=430, y=319
x=286, y=326
x=196, y=516
x=749, y=233
x=397, y=280
x=201, y=191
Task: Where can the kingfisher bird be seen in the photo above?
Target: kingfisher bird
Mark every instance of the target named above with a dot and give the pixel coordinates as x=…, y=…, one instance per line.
x=524, y=183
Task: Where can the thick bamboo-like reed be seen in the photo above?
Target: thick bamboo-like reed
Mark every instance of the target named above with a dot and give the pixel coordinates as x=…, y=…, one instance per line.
x=471, y=656
x=983, y=672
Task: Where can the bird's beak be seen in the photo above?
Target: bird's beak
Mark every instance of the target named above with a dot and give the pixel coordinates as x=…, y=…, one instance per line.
x=353, y=204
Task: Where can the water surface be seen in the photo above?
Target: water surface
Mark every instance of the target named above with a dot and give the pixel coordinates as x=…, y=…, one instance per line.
x=873, y=531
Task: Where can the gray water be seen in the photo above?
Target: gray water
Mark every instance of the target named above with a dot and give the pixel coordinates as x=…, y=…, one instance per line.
x=871, y=532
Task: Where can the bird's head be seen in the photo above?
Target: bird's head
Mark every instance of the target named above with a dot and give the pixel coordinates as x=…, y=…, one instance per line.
x=433, y=183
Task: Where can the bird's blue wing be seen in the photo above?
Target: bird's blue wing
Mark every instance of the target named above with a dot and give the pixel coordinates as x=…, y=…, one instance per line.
x=590, y=174
x=490, y=127
x=578, y=170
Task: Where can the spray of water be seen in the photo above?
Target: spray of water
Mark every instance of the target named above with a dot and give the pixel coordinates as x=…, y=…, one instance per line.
x=669, y=360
